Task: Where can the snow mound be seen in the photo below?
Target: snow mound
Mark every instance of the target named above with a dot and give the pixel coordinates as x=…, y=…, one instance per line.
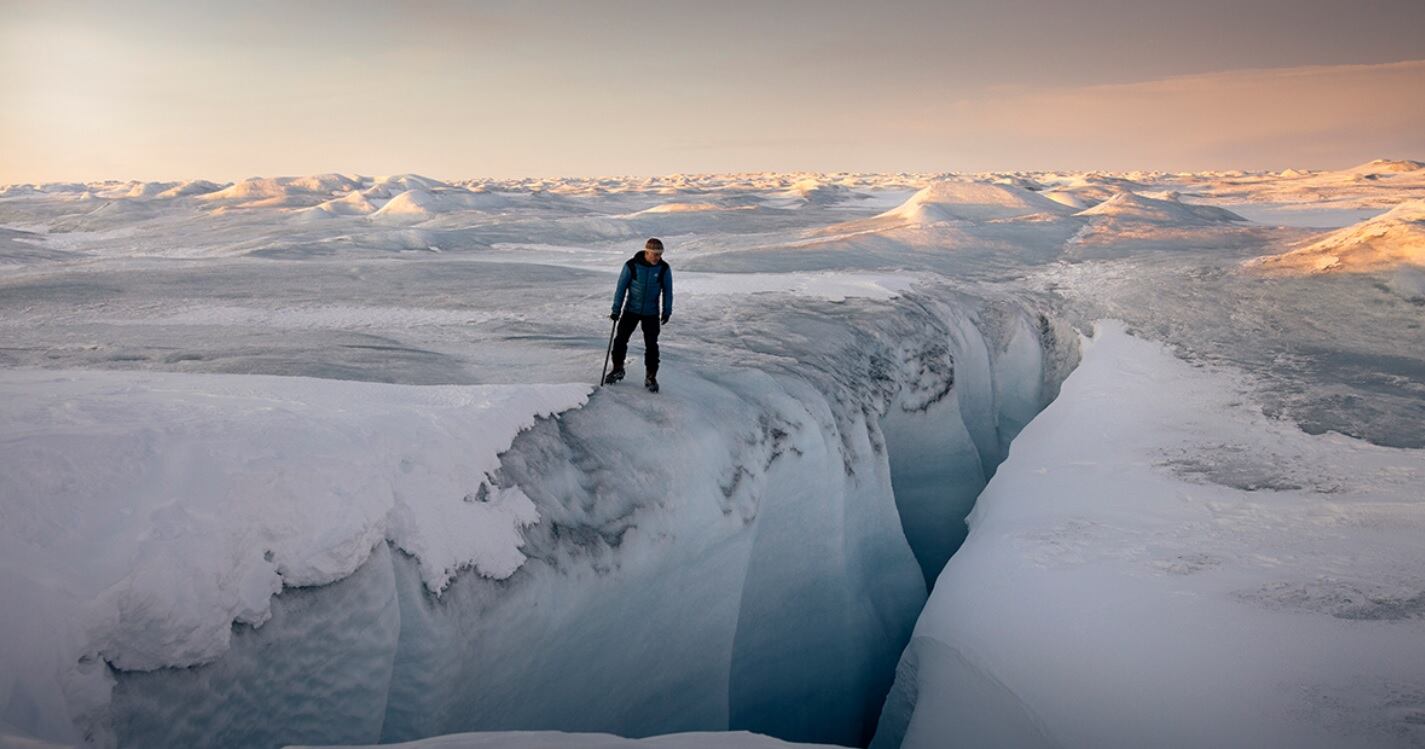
x=417, y=205
x=949, y=200
x=141, y=190
x=1392, y=239
x=1071, y=198
x=353, y=203
x=190, y=187
x=328, y=184
x=414, y=204
x=392, y=185
x=1018, y=181
x=813, y=191
x=1131, y=206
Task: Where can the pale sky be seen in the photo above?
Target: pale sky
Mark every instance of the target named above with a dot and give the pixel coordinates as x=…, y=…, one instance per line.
x=150, y=90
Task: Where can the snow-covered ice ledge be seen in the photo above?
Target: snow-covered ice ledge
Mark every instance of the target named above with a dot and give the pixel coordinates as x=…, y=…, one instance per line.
x=1158, y=564
x=643, y=565
x=144, y=514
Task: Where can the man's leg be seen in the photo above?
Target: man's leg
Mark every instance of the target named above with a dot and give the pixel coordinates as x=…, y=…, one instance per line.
x=650, y=345
x=626, y=323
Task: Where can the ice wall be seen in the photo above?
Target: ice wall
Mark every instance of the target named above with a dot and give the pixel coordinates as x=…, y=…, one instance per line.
x=964, y=400
x=727, y=555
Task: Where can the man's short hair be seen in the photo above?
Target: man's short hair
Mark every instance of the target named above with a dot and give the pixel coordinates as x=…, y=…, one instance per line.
x=654, y=244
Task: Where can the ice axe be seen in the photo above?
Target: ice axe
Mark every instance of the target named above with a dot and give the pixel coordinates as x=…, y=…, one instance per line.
x=608, y=351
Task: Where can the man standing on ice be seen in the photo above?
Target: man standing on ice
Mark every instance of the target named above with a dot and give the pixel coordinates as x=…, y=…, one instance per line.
x=644, y=279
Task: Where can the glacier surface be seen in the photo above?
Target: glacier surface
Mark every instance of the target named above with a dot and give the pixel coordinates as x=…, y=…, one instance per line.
x=308, y=460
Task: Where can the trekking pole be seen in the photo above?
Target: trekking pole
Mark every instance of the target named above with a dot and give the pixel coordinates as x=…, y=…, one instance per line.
x=607, y=351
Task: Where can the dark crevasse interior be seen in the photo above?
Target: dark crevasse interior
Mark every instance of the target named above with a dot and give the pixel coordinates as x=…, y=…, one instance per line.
x=817, y=499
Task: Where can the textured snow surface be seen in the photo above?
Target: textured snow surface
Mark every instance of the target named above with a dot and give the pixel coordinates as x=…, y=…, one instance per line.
x=1159, y=564
x=145, y=513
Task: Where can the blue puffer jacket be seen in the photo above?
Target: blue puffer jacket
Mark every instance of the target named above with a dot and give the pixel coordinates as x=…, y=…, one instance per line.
x=643, y=283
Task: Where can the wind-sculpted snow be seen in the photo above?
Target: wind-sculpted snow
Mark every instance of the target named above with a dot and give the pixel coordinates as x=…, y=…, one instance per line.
x=1194, y=574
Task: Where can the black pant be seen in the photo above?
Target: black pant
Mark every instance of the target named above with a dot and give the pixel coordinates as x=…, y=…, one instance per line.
x=626, y=323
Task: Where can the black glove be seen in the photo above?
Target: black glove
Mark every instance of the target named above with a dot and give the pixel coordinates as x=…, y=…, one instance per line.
x=613, y=316
x=665, y=318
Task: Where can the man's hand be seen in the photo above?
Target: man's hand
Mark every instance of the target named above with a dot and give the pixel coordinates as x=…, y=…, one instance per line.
x=613, y=316
x=665, y=318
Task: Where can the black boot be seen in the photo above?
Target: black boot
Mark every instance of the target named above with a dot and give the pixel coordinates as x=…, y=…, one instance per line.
x=651, y=382
x=614, y=376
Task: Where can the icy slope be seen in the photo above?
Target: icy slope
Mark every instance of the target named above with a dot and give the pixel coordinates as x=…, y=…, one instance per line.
x=145, y=514
x=1388, y=241
x=1158, y=564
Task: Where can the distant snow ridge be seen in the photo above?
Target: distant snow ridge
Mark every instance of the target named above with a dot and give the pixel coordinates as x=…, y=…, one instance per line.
x=142, y=190
x=1387, y=166
x=1392, y=239
x=816, y=192
x=390, y=186
x=270, y=192
x=682, y=207
x=951, y=200
x=190, y=187
x=1080, y=191
x=1131, y=206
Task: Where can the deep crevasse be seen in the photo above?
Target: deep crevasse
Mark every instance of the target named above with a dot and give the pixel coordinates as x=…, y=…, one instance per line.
x=727, y=555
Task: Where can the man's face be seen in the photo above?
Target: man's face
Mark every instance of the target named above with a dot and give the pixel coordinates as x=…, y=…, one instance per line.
x=652, y=256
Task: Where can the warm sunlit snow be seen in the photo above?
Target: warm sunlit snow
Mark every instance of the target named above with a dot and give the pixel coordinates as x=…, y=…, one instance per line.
x=1390, y=240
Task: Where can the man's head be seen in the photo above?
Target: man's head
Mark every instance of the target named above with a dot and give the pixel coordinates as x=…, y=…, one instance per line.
x=653, y=250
